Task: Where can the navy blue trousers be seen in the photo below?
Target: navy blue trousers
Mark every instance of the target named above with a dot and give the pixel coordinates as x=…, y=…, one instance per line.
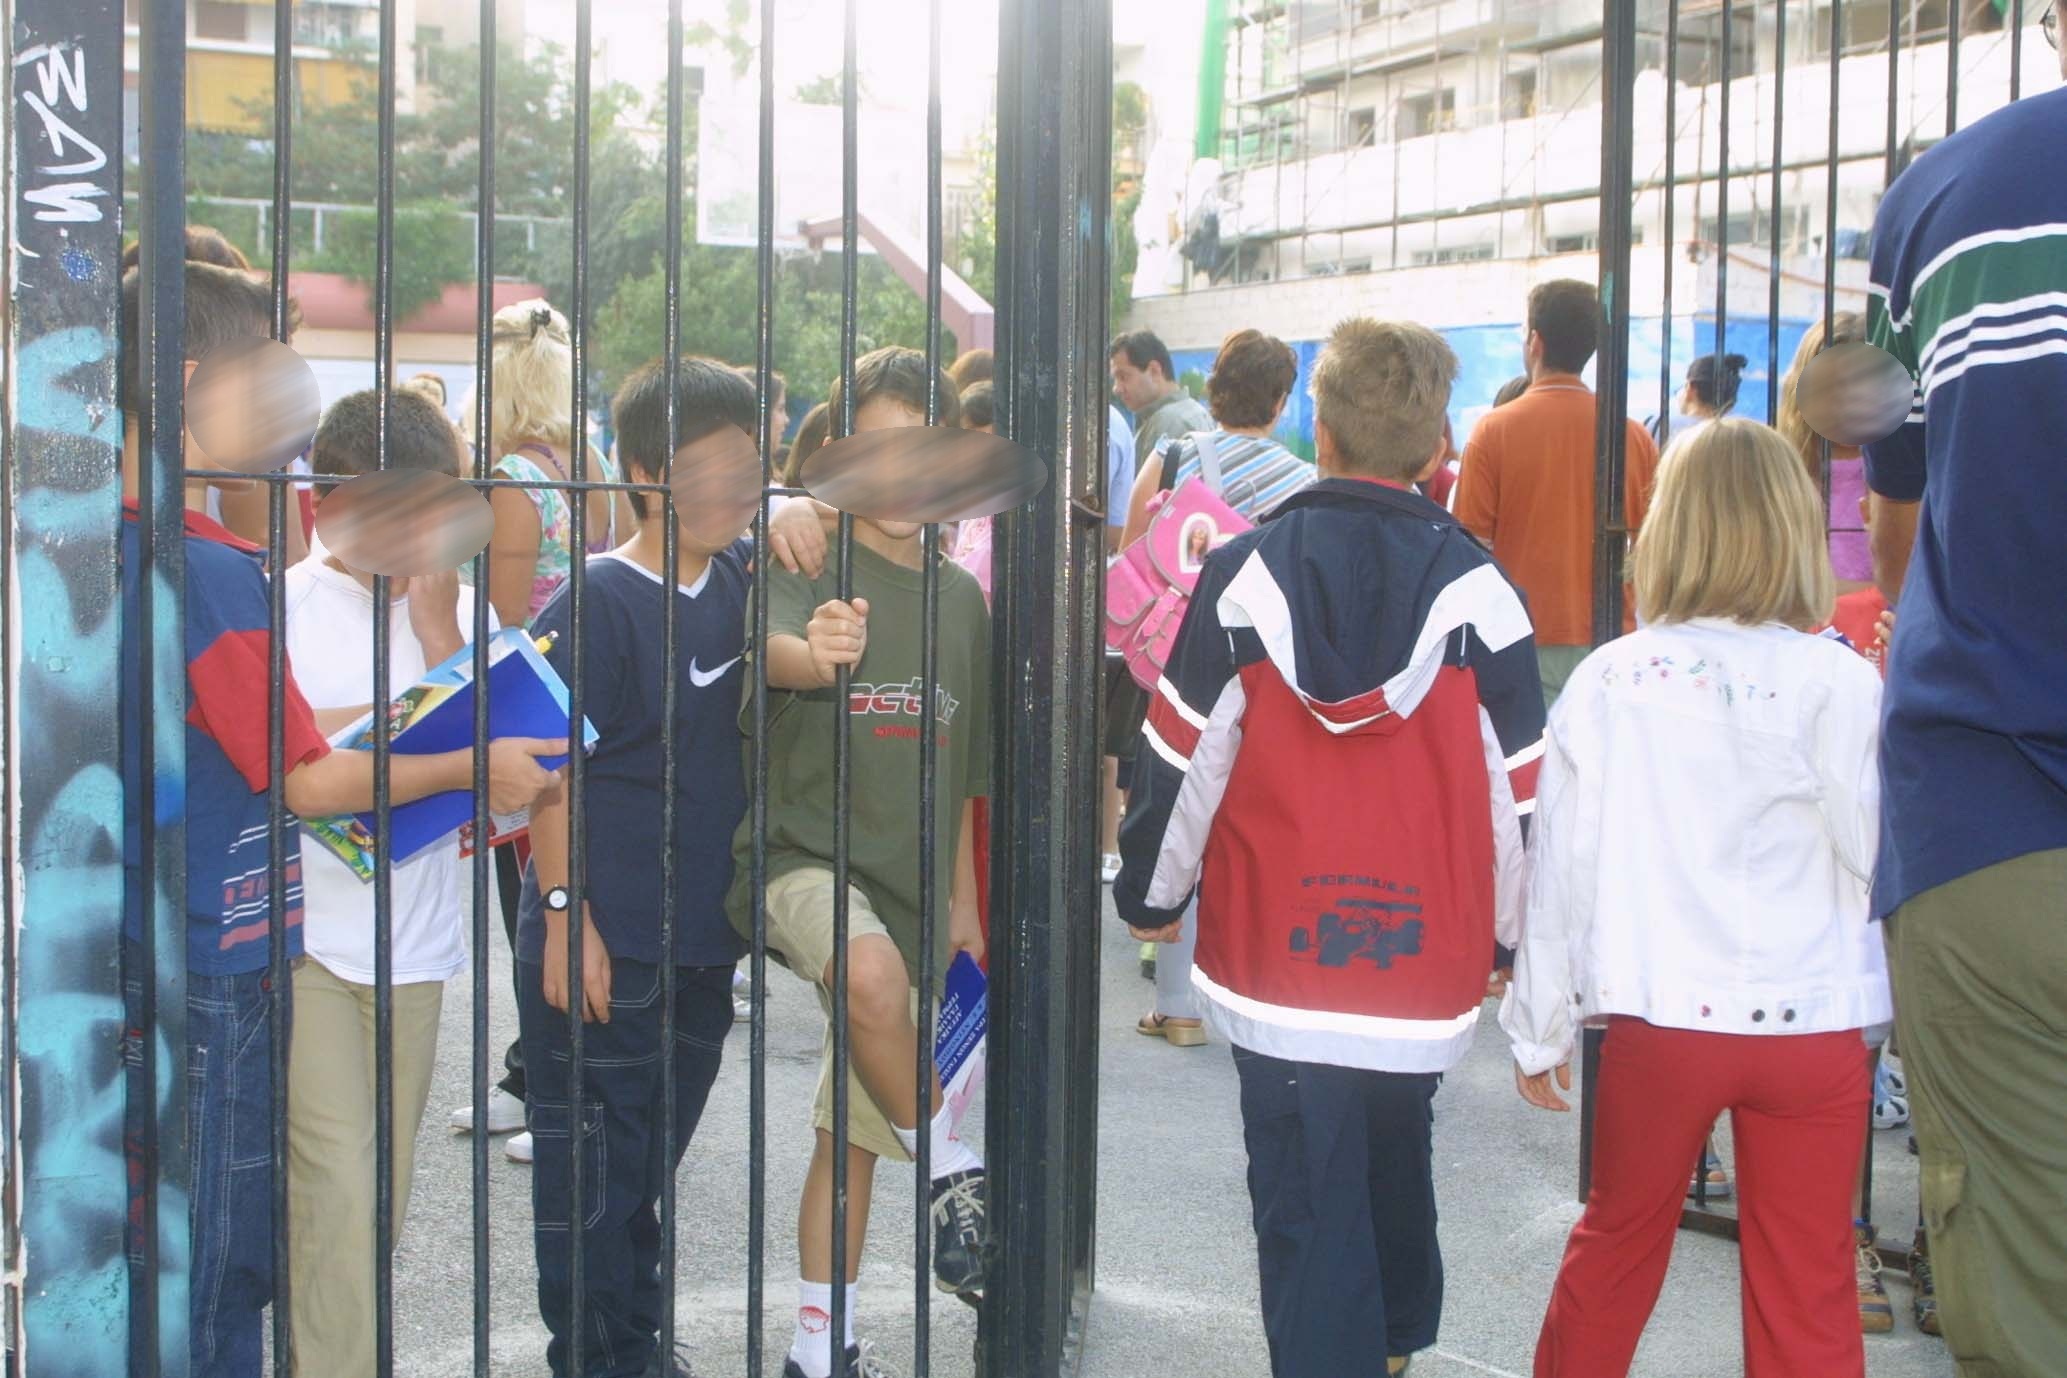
x=1341, y=1186
x=623, y=1162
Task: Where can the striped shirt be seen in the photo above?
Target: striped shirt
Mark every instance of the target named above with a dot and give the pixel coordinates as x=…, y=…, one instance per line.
x=1256, y=474
x=1969, y=291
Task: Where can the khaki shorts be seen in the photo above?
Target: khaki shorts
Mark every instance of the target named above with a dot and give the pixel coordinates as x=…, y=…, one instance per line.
x=800, y=926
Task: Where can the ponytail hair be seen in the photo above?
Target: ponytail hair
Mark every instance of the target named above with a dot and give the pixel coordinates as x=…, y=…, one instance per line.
x=532, y=398
x=1714, y=379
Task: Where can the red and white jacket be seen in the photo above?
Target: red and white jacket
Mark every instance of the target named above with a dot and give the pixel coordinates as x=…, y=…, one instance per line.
x=1340, y=759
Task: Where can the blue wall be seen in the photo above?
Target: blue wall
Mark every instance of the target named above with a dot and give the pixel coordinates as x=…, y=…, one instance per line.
x=1492, y=354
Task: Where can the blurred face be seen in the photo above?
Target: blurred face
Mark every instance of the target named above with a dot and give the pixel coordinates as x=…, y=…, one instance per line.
x=883, y=414
x=717, y=483
x=1137, y=388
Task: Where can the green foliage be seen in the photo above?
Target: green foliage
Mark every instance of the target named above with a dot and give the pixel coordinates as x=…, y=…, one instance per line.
x=1126, y=252
x=1129, y=110
x=822, y=90
x=719, y=304
x=977, y=250
x=432, y=250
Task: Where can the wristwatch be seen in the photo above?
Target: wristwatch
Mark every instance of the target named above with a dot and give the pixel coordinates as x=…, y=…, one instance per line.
x=556, y=899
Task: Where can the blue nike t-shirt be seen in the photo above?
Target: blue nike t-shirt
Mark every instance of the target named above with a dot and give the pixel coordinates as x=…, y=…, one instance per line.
x=1969, y=260
x=623, y=605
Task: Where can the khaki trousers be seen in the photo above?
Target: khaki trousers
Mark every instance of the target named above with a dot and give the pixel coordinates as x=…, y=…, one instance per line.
x=330, y=1157
x=1981, y=1006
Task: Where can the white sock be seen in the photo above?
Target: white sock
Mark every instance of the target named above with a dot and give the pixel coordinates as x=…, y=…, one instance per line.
x=812, y=1346
x=950, y=1154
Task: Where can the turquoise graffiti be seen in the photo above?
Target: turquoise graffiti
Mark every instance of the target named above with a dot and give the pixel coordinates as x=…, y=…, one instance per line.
x=68, y=1031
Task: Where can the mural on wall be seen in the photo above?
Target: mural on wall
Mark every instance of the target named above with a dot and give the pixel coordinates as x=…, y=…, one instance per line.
x=66, y=1145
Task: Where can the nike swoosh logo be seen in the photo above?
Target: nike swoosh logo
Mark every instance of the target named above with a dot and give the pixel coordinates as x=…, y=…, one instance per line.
x=704, y=678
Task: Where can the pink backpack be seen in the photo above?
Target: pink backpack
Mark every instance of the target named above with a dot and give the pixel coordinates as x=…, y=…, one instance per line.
x=1149, y=585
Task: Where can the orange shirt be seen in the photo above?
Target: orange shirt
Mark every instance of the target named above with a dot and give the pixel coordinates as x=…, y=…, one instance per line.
x=1527, y=491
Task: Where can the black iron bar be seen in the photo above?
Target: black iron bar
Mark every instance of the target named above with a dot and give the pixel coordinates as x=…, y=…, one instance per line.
x=1775, y=223
x=2016, y=22
x=383, y=728
x=484, y=425
x=279, y=833
x=671, y=369
x=1894, y=134
x=843, y=747
x=160, y=414
x=929, y=752
x=1952, y=17
x=1722, y=201
x=1665, y=238
x=577, y=773
x=757, y=861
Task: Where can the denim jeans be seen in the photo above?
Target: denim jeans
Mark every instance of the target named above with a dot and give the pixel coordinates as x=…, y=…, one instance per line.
x=622, y=1162
x=229, y=1107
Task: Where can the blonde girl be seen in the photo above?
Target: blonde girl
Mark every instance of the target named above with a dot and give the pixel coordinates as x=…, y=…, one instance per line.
x=531, y=440
x=1706, y=821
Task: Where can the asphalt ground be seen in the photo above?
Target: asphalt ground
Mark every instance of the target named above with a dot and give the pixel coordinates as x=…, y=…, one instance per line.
x=1176, y=1265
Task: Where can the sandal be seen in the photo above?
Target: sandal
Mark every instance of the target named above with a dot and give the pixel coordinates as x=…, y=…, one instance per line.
x=1178, y=1033
x=1718, y=1179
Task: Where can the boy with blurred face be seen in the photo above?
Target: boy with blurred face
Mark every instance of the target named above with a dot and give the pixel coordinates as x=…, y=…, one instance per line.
x=628, y=593
x=811, y=634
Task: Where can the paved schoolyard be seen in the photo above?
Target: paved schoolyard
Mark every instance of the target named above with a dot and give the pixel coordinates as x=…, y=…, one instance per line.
x=1177, y=1280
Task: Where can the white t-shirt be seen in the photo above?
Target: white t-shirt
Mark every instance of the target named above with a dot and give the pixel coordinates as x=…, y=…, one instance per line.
x=330, y=646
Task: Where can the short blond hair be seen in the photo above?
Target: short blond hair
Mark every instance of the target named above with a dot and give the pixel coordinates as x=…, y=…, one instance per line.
x=533, y=395
x=1735, y=530
x=1382, y=388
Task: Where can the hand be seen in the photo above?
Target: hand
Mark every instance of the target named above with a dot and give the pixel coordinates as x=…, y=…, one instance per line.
x=1886, y=627
x=965, y=929
x=515, y=777
x=1496, y=984
x=1168, y=933
x=837, y=635
x=595, y=967
x=797, y=535
x=1536, y=1089
x=434, y=614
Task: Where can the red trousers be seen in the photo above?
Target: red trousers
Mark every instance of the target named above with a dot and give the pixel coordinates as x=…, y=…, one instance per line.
x=1797, y=1108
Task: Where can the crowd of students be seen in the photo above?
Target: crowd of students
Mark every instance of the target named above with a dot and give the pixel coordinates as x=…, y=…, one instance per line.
x=1385, y=776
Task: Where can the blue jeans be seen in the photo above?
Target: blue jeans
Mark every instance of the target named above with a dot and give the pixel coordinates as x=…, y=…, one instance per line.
x=623, y=1164
x=229, y=1107
x=1343, y=1195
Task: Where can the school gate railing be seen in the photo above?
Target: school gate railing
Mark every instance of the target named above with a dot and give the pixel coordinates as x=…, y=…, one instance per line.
x=70, y=1305
x=1775, y=219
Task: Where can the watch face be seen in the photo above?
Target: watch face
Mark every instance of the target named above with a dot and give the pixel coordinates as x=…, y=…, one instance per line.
x=556, y=898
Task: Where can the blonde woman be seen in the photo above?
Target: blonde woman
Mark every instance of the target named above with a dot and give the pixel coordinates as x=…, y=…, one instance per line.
x=531, y=440
x=1706, y=822
x=1849, y=556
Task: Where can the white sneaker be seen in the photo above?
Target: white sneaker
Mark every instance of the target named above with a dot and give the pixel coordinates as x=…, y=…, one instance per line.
x=742, y=1010
x=1109, y=868
x=505, y=1114
x=518, y=1149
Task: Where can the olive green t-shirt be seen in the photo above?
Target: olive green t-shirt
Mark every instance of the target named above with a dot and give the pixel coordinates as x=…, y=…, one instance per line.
x=886, y=699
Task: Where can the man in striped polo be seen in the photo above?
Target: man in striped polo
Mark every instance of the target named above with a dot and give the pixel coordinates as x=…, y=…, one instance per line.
x=1969, y=291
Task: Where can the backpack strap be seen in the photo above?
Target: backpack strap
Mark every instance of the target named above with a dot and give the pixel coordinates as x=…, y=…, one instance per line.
x=1209, y=459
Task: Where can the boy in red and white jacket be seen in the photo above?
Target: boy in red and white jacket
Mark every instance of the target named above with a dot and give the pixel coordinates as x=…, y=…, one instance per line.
x=1339, y=760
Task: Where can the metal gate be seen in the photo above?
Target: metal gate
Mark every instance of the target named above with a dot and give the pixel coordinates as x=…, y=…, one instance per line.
x=74, y=1206
x=1919, y=56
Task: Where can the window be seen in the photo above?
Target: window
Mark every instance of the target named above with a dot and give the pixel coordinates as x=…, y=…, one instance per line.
x=1453, y=253
x=1431, y=112
x=220, y=21
x=1518, y=95
x=1363, y=128
x=428, y=41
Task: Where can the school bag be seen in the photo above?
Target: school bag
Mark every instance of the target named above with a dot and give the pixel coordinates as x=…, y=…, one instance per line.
x=1149, y=586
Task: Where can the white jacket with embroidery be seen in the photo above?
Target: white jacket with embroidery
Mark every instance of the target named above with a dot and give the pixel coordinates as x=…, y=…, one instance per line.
x=1706, y=825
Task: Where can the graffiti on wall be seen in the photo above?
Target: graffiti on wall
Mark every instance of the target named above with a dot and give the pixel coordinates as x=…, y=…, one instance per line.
x=64, y=444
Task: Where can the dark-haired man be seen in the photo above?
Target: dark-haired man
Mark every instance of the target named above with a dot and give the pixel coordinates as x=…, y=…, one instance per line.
x=1145, y=382
x=1527, y=485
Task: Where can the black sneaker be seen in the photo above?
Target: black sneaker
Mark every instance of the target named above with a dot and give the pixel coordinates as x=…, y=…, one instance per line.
x=861, y=1363
x=958, y=1215
x=662, y=1366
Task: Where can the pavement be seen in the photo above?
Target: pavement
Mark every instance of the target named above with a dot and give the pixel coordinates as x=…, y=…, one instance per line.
x=1176, y=1269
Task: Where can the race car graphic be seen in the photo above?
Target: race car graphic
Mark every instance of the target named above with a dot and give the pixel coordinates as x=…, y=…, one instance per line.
x=1364, y=929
